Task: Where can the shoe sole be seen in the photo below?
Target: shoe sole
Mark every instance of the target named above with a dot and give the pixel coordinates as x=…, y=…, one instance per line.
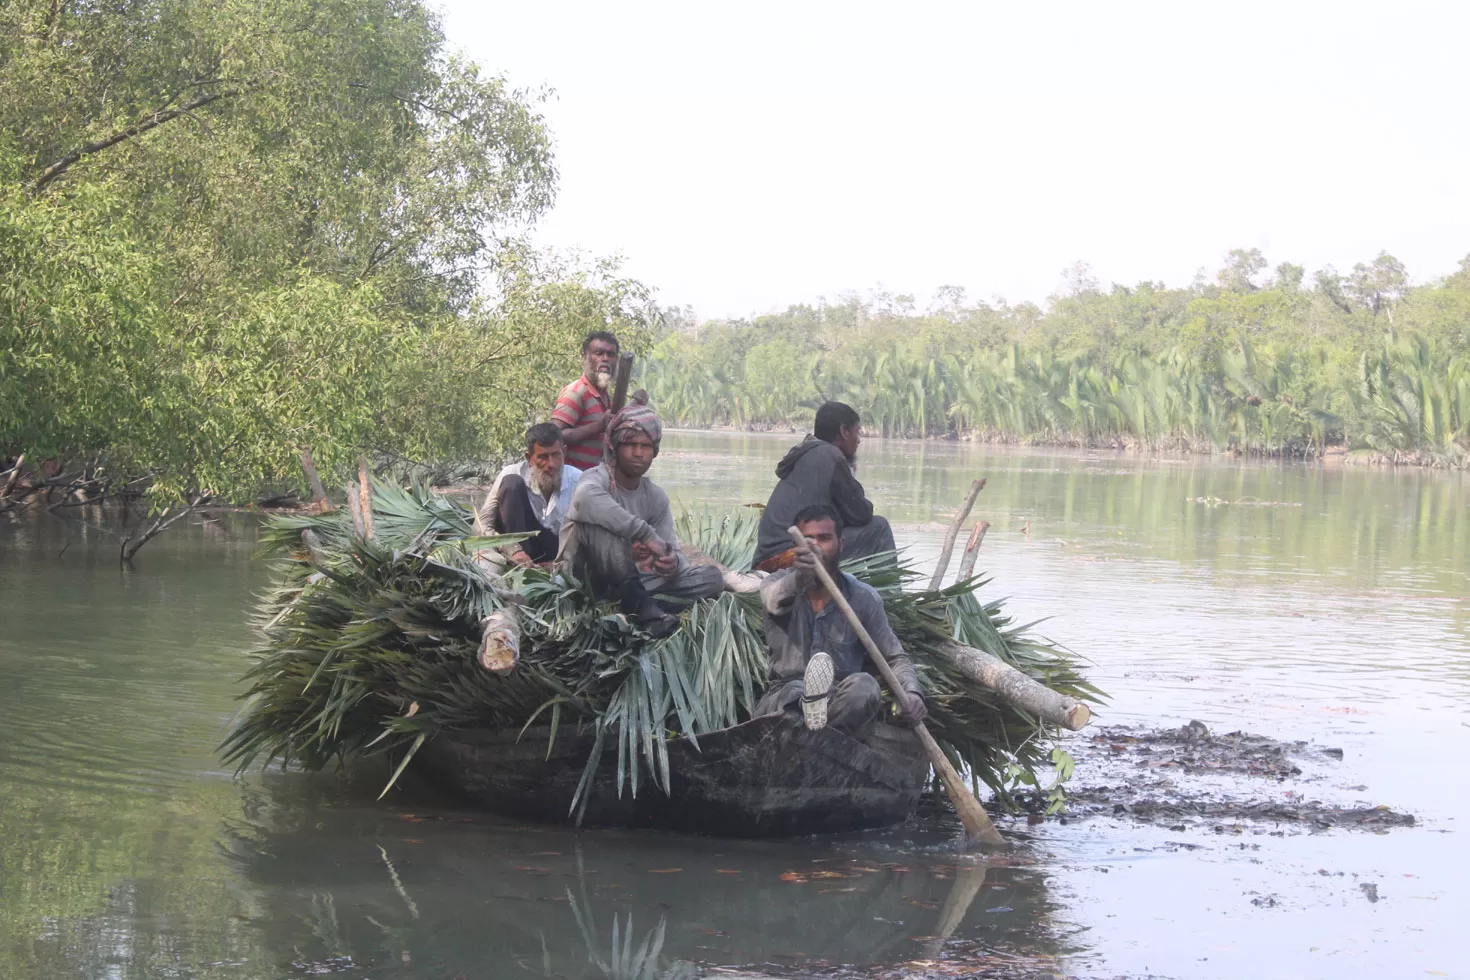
x=816, y=687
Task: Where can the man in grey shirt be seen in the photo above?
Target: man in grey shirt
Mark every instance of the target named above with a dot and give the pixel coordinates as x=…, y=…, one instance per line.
x=804, y=628
x=619, y=531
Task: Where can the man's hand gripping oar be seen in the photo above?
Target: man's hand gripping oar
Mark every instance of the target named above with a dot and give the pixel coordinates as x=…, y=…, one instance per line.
x=978, y=827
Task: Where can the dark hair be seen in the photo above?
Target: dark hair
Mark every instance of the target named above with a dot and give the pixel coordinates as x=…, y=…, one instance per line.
x=606, y=335
x=832, y=418
x=543, y=434
x=818, y=512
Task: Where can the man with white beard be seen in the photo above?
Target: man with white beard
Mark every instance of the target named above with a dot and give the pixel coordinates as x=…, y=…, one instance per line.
x=584, y=406
x=532, y=496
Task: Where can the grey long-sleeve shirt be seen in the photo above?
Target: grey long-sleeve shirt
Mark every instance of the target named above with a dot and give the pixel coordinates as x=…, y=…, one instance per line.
x=629, y=515
x=794, y=631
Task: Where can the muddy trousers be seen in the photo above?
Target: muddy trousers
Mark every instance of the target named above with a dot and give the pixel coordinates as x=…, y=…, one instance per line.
x=854, y=707
x=608, y=561
x=515, y=516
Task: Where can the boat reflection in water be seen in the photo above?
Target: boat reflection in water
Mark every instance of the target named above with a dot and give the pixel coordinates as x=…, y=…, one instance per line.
x=431, y=890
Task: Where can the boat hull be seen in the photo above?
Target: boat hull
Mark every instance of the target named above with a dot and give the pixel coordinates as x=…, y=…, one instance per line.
x=765, y=778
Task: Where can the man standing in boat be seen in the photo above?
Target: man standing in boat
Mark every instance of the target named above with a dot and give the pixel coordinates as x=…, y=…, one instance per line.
x=819, y=667
x=619, y=530
x=584, y=406
x=531, y=497
x=819, y=471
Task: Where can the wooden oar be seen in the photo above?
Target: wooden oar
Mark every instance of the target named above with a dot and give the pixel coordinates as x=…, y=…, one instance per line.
x=620, y=382
x=978, y=826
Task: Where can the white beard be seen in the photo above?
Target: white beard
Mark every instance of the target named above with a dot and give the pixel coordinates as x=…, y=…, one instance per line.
x=603, y=379
x=540, y=483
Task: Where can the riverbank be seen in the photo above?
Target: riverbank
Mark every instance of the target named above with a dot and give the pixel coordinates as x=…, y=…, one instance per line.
x=1332, y=455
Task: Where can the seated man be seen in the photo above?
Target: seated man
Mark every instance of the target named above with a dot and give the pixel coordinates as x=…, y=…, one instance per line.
x=819, y=471
x=813, y=644
x=619, y=531
x=532, y=496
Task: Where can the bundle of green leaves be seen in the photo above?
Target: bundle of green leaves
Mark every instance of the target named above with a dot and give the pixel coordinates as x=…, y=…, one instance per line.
x=370, y=646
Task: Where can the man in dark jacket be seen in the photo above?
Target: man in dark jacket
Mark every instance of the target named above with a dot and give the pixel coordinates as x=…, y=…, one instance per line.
x=818, y=471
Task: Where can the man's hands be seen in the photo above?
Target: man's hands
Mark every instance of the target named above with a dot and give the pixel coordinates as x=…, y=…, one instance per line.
x=522, y=559
x=911, y=708
x=805, y=565
x=665, y=559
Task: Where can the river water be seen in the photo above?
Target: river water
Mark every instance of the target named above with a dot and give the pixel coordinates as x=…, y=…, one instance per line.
x=1303, y=603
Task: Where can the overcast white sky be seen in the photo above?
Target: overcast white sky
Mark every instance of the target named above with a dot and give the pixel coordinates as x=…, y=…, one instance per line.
x=743, y=157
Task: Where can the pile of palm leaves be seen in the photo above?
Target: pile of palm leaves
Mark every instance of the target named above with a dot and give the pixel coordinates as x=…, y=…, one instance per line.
x=370, y=645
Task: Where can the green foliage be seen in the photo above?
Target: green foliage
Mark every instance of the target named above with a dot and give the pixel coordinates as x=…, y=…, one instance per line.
x=1248, y=363
x=230, y=231
x=371, y=647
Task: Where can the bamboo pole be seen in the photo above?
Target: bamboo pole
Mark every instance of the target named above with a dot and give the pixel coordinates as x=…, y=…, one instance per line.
x=953, y=533
x=972, y=550
x=1029, y=695
x=978, y=826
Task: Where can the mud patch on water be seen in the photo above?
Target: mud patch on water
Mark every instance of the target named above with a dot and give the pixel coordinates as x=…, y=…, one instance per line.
x=1187, y=776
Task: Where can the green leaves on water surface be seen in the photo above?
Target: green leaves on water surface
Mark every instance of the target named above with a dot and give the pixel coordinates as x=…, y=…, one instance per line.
x=357, y=636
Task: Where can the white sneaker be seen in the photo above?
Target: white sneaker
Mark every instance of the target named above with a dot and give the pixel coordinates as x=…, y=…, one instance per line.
x=816, y=686
x=742, y=581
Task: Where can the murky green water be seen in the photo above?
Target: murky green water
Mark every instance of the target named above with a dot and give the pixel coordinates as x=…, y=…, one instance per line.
x=1321, y=604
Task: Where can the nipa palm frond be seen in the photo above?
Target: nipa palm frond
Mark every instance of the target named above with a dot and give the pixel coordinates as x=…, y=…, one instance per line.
x=370, y=647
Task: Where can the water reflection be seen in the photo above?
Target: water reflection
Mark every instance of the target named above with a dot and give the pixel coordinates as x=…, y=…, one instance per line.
x=429, y=890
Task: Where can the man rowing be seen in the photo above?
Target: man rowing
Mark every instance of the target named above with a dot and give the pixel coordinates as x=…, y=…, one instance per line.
x=584, y=406
x=819, y=667
x=531, y=496
x=818, y=471
x=619, y=530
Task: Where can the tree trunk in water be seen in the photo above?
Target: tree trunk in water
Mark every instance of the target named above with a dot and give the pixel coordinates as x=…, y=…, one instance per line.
x=20, y=461
x=972, y=550
x=161, y=523
x=953, y=533
x=1023, y=692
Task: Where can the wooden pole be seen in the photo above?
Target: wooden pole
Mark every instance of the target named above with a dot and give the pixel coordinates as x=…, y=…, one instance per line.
x=972, y=550
x=365, y=497
x=996, y=675
x=318, y=492
x=953, y=533
x=978, y=826
x=620, y=381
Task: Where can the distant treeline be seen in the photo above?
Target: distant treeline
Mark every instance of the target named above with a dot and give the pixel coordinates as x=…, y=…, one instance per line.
x=1251, y=361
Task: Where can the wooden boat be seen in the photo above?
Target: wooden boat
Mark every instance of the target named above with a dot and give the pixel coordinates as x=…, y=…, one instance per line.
x=764, y=778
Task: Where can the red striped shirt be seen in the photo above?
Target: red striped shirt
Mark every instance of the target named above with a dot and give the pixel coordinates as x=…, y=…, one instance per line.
x=579, y=403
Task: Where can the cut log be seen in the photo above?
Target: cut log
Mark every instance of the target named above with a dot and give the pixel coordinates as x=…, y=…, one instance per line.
x=954, y=533
x=500, y=642
x=972, y=550
x=1023, y=692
